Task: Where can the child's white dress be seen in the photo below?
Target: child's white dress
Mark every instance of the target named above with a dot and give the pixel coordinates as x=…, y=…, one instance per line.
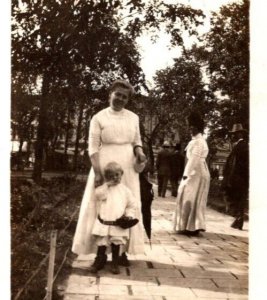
x=112, y=202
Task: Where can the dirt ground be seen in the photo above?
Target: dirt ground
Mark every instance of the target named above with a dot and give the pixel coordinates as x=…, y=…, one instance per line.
x=36, y=210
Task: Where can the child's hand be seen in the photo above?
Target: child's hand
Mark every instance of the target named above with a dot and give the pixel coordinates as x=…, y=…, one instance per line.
x=128, y=217
x=98, y=179
x=111, y=183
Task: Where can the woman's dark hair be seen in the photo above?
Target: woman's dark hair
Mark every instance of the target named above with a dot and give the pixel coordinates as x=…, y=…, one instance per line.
x=123, y=84
x=195, y=119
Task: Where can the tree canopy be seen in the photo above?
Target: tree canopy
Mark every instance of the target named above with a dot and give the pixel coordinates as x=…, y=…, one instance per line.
x=226, y=52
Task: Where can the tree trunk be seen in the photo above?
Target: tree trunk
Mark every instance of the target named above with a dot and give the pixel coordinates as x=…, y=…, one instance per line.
x=20, y=144
x=67, y=133
x=54, y=143
x=151, y=155
x=41, y=130
x=20, y=165
x=78, y=134
x=86, y=135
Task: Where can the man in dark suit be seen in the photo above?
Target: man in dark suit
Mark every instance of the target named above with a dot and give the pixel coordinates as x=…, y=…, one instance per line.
x=177, y=168
x=236, y=175
x=163, y=165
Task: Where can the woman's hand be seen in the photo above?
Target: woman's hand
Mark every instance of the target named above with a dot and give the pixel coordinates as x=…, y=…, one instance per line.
x=96, y=167
x=141, y=157
x=98, y=179
x=140, y=154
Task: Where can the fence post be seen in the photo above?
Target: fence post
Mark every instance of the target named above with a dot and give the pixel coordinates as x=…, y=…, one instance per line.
x=52, y=254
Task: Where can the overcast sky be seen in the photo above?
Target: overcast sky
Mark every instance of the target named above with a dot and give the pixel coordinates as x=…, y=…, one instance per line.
x=157, y=56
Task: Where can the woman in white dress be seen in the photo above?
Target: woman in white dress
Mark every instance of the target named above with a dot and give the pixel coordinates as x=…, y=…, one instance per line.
x=189, y=217
x=114, y=135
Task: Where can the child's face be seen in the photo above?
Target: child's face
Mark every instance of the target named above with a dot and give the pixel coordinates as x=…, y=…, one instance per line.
x=113, y=177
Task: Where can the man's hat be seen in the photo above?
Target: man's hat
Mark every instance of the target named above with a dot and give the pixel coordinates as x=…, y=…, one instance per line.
x=166, y=144
x=237, y=128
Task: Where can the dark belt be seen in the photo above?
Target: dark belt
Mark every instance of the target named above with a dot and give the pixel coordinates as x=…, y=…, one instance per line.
x=114, y=223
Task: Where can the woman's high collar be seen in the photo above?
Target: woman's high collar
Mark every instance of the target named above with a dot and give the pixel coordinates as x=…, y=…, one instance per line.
x=115, y=112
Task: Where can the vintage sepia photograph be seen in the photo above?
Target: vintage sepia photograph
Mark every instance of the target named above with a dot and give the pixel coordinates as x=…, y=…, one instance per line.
x=130, y=150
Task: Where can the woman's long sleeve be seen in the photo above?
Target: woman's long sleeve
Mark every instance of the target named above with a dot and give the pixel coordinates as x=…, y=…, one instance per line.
x=94, y=136
x=193, y=159
x=137, y=137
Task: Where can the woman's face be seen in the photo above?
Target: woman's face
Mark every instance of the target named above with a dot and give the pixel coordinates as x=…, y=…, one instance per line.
x=118, y=98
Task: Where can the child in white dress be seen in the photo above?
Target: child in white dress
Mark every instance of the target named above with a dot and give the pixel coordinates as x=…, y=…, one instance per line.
x=114, y=200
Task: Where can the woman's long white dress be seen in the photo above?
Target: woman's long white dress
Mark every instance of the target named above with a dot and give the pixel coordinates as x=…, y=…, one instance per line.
x=193, y=192
x=113, y=134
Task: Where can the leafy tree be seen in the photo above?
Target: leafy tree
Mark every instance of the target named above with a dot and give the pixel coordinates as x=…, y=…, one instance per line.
x=70, y=45
x=24, y=109
x=226, y=52
x=224, y=55
x=177, y=90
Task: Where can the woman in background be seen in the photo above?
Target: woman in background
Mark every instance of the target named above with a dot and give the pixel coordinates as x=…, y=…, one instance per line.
x=193, y=191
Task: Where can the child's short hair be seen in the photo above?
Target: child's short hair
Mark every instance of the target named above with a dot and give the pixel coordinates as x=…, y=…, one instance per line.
x=111, y=168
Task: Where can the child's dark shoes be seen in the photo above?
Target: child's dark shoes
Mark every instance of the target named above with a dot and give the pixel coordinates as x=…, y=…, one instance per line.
x=114, y=268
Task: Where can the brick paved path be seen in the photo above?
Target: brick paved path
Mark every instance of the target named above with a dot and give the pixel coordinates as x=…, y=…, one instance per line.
x=214, y=266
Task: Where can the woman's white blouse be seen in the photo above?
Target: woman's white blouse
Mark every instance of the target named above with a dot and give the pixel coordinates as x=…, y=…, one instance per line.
x=112, y=127
x=196, y=152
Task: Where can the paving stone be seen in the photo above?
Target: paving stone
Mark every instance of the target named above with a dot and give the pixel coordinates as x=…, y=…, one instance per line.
x=167, y=260
x=115, y=289
x=178, y=253
x=196, y=262
x=88, y=279
x=187, y=282
x=184, y=293
x=234, y=264
x=221, y=293
x=78, y=288
x=138, y=264
x=211, y=294
x=79, y=297
x=241, y=277
x=140, y=290
x=236, y=271
x=196, y=251
x=185, y=259
x=156, y=272
x=165, y=290
x=157, y=249
x=194, y=273
x=129, y=280
x=120, y=297
x=81, y=264
x=178, y=297
x=240, y=284
x=157, y=265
